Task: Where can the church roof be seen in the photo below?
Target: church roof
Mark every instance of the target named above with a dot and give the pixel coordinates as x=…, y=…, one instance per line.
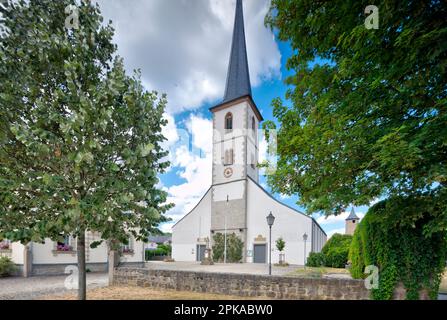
x=238, y=77
x=352, y=215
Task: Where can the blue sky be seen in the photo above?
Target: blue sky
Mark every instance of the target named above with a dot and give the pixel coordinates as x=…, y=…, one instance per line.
x=182, y=49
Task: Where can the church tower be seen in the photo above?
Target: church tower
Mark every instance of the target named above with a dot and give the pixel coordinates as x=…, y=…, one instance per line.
x=235, y=141
x=351, y=222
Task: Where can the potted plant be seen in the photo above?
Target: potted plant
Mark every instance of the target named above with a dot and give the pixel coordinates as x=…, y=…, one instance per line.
x=280, y=245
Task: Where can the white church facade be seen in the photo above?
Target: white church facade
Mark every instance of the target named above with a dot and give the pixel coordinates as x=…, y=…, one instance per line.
x=236, y=203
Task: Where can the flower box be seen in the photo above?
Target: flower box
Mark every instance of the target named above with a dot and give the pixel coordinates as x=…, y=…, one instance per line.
x=128, y=251
x=64, y=248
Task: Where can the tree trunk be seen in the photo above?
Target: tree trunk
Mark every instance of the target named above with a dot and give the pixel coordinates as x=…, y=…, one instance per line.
x=82, y=280
x=112, y=262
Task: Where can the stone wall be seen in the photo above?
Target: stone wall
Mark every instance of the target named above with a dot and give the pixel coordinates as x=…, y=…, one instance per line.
x=244, y=285
x=59, y=269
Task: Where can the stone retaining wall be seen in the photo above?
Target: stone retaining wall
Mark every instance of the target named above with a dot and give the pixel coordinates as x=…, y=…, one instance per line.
x=244, y=285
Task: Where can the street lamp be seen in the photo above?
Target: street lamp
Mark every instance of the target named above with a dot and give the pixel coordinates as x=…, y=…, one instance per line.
x=225, y=231
x=270, y=221
x=305, y=240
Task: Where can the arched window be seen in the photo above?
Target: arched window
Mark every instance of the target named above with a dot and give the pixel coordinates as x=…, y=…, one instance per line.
x=229, y=121
x=253, y=124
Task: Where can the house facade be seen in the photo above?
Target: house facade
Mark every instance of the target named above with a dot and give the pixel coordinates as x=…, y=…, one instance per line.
x=236, y=203
x=52, y=258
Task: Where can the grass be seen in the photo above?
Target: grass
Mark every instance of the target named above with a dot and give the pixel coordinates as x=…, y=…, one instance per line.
x=137, y=293
x=311, y=272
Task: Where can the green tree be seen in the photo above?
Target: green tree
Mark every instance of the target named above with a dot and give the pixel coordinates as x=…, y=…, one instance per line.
x=404, y=255
x=80, y=140
x=280, y=244
x=336, y=250
x=235, y=248
x=367, y=109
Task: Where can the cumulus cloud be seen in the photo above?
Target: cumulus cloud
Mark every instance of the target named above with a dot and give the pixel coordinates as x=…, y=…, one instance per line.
x=182, y=47
x=333, y=220
x=334, y=231
x=193, y=159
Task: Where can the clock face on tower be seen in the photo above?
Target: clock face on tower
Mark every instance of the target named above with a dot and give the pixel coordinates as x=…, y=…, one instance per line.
x=228, y=172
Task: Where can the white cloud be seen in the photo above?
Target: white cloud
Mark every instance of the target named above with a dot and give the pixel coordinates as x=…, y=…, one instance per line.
x=195, y=167
x=182, y=47
x=334, y=231
x=169, y=132
x=332, y=220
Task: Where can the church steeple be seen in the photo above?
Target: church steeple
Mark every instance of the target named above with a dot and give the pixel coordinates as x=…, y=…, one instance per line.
x=238, y=77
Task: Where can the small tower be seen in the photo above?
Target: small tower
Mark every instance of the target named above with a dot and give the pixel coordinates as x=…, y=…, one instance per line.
x=351, y=222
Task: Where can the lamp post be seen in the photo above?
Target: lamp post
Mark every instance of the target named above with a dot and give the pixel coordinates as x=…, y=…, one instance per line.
x=270, y=221
x=305, y=240
x=225, y=231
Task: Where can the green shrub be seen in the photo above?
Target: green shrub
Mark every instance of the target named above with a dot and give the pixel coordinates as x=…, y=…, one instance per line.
x=356, y=250
x=159, y=252
x=235, y=248
x=336, y=250
x=316, y=259
x=7, y=267
x=166, y=247
x=404, y=254
x=337, y=257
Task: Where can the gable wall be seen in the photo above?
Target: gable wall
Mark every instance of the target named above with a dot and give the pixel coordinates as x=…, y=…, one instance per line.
x=289, y=224
x=195, y=225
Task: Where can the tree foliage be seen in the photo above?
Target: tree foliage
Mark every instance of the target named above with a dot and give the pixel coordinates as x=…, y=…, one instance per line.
x=280, y=244
x=403, y=254
x=235, y=248
x=336, y=250
x=367, y=109
x=316, y=259
x=80, y=140
x=334, y=253
x=7, y=267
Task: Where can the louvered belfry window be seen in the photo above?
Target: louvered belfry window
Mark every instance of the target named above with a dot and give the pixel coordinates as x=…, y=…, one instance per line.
x=229, y=121
x=229, y=157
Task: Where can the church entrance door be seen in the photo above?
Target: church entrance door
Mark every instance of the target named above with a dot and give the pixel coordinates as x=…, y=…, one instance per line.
x=260, y=253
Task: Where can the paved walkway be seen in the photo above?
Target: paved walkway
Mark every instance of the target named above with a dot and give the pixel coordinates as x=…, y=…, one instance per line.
x=16, y=288
x=242, y=268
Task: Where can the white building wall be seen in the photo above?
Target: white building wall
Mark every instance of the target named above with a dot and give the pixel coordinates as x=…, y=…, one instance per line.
x=17, y=252
x=193, y=227
x=289, y=224
x=45, y=253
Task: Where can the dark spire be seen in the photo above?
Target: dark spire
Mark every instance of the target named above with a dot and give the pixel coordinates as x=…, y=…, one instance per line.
x=238, y=77
x=352, y=215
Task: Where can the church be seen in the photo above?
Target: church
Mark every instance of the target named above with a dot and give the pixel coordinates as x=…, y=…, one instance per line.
x=236, y=203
